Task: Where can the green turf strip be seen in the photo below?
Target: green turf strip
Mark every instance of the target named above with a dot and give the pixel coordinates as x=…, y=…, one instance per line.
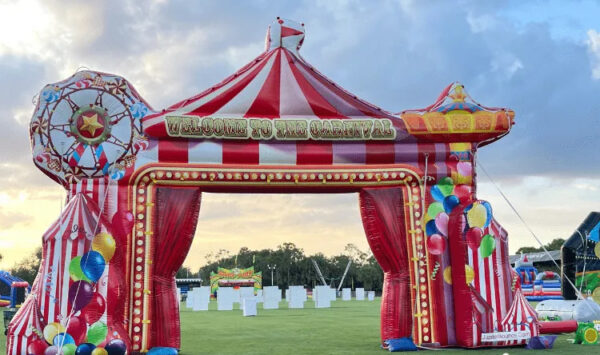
x=350, y=327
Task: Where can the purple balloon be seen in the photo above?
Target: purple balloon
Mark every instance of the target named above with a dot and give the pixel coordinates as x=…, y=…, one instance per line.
x=51, y=350
x=116, y=347
x=80, y=294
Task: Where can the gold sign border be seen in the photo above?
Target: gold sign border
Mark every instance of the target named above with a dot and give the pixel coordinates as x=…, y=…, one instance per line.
x=273, y=128
x=142, y=199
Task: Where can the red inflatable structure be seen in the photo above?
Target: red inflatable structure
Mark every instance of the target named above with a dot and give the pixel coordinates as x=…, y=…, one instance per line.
x=134, y=178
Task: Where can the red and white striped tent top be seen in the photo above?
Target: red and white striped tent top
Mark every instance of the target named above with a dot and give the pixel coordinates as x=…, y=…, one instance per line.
x=278, y=84
x=27, y=325
x=520, y=316
x=80, y=217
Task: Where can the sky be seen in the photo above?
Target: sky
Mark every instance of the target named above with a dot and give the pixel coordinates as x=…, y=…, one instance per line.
x=539, y=58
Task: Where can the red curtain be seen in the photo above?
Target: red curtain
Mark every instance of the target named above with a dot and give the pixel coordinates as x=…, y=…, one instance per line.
x=175, y=219
x=382, y=211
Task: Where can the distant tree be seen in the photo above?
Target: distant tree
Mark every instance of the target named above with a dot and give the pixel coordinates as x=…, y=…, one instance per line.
x=356, y=255
x=28, y=268
x=370, y=275
x=526, y=250
x=185, y=272
x=555, y=244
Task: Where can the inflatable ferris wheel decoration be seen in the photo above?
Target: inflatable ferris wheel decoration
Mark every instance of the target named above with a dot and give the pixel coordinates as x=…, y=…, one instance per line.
x=87, y=126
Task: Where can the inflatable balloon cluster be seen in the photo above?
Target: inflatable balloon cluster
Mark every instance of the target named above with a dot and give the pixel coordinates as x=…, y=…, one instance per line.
x=84, y=330
x=447, y=196
x=479, y=217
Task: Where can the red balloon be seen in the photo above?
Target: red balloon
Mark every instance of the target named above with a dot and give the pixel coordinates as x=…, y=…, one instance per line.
x=436, y=244
x=77, y=329
x=474, y=236
x=95, y=309
x=37, y=347
x=463, y=192
x=122, y=222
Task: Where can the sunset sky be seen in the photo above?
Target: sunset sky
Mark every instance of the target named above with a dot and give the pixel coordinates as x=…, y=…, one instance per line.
x=540, y=58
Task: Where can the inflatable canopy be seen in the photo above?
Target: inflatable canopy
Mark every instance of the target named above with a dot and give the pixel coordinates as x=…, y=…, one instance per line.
x=581, y=260
x=12, y=290
x=134, y=177
x=537, y=286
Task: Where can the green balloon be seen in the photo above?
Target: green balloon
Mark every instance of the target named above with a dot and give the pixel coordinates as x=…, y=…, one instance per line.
x=446, y=185
x=487, y=246
x=69, y=349
x=434, y=209
x=97, y=333
x=75, y=270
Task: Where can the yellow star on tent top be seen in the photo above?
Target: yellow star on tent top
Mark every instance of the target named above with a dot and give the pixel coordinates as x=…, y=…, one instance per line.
x=91, y=124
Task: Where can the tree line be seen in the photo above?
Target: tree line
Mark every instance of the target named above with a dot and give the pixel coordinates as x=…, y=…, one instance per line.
x=292, y=266
x=555, y=244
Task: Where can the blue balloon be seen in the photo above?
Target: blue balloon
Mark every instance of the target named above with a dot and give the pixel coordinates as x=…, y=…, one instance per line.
x=85, y=349
x=62, y=339
x=436, y=193
x=488, y=209
x=92, y=263
x=431, y=229
x=450, y=202
x=162, y=351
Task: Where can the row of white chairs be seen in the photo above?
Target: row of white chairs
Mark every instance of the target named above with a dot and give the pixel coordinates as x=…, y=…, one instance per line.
x=270, y=296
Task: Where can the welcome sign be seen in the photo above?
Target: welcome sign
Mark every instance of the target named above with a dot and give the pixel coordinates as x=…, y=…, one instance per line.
x=279, y=129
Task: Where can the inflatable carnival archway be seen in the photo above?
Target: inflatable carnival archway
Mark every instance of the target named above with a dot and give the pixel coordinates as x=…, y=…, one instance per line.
x=134, y=178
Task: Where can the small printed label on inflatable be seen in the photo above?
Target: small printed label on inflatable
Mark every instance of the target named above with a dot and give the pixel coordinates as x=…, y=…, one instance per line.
x=505, y=336
x=280, y=129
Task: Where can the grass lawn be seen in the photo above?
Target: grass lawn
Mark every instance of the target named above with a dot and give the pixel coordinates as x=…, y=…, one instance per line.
x=346, y=328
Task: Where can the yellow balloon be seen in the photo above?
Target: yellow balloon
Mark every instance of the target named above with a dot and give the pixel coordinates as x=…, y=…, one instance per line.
x=469, y=274
x=99, y=351
x=427, y=218
x=596, y=294
x=51, y=330
x=597, y=250
x=448, y=275
x=104, y=244
x=477, y=216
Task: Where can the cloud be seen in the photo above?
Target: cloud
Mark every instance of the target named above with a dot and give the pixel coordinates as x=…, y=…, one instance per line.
x=396, y=54
x=9, y=219
x=314, y=222
x=593, y=43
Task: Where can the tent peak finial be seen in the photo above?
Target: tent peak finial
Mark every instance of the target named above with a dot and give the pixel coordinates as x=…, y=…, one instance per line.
x=286, y=34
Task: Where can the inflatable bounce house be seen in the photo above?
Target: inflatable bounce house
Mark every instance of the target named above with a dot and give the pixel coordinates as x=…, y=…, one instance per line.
x=12, y=290
x=581, y=260
x=235, y=278
x=134, y=177
x=537, y=286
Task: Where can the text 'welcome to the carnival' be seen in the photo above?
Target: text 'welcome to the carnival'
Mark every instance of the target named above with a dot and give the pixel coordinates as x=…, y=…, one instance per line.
x=280, y=129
